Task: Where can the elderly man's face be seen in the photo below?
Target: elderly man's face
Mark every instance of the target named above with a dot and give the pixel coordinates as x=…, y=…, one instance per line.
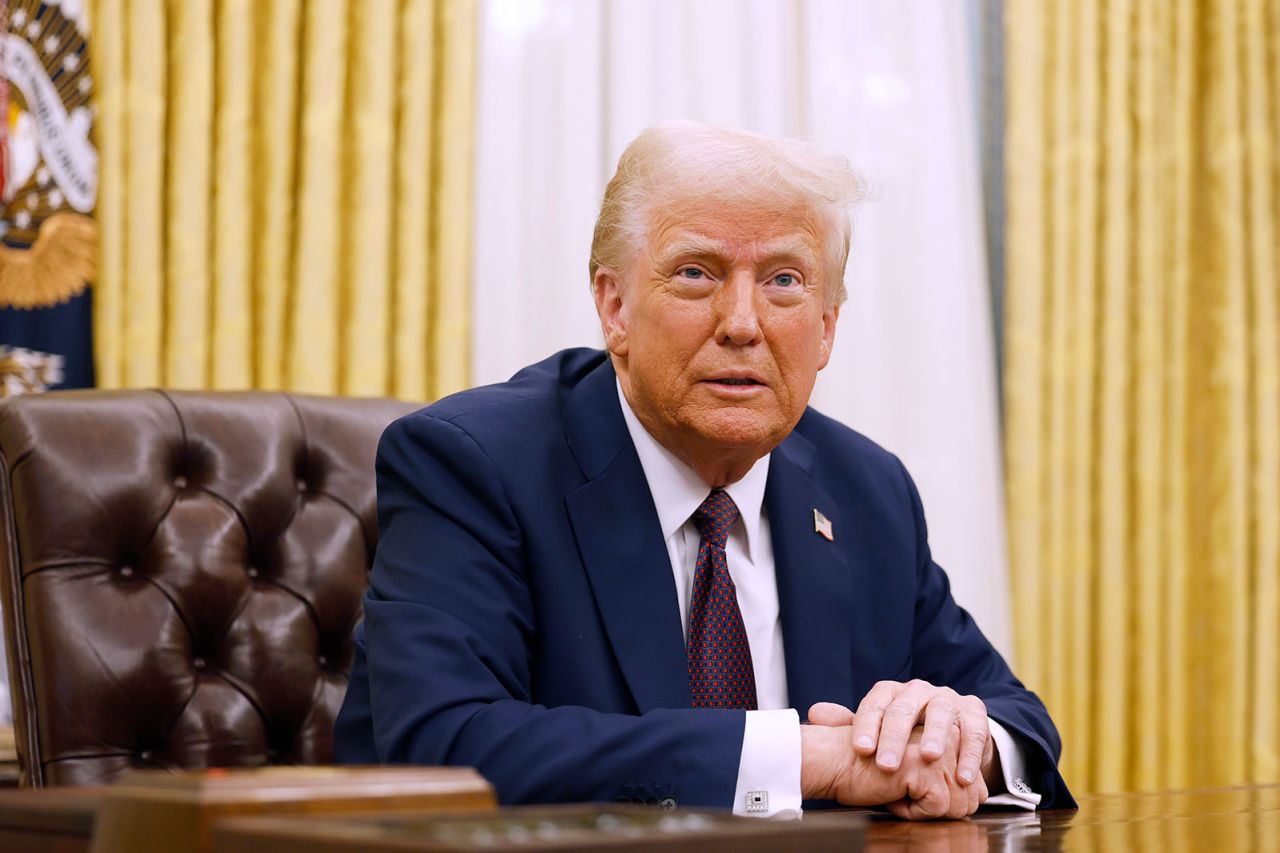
x=719, y=325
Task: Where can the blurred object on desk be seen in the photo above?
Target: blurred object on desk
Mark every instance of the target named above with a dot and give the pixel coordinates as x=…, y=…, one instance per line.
x=50, y=820
x=154, y=811
x=8, y=757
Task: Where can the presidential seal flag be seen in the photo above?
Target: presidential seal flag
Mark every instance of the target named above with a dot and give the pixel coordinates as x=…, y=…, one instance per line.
x=48, y=187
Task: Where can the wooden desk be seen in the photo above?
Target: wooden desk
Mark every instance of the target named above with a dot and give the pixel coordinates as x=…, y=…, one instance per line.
x=1236, y=819
x=1210, y=819
x=8, y=758
x=56, y=820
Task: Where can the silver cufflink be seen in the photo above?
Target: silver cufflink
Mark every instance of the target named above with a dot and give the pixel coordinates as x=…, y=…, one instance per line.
x=757, y=801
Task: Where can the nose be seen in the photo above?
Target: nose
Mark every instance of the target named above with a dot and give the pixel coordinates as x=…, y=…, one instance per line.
x=739, y=324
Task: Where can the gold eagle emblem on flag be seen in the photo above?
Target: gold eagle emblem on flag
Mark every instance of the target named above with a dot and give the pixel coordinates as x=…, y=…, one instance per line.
x=49, y=179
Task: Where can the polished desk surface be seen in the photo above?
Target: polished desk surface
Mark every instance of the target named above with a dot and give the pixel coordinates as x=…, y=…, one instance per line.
x=1236, y=819
x=1243, y=819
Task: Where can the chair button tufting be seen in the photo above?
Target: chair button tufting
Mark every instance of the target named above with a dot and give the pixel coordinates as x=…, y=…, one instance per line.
x=145, y=756
x=251, y=572
x=323, y=661
x=180, y=482
x=199, y=664
x=126, y=571
x=302, y=485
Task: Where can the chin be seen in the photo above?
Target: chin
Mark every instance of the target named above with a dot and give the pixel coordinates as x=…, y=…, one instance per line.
x=731, y=429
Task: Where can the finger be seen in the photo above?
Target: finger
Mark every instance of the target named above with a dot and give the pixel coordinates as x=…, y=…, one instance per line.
x=900, y=717
x=866, y=723
x=935, y=804
x=900, y=808
x=961, y=803
x=972, y=797
x=830, y=714
x=980, y=789
x=930, y=796
x=909, y=809
x=940, y=714
x=970, y=800
x=975, y=732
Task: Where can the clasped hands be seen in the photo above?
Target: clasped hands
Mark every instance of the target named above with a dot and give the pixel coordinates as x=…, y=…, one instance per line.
x=922, y=751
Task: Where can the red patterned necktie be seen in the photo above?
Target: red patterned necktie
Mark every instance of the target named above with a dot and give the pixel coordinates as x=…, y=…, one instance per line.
x=720, y=672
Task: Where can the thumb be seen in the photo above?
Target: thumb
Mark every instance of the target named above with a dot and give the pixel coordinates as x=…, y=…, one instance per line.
x=830, y=714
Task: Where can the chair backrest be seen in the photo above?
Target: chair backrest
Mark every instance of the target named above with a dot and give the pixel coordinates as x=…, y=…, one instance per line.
x=181, y=574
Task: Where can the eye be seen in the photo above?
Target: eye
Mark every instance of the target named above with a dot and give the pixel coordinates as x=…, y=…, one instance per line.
x=786, y=279
x=690, y=272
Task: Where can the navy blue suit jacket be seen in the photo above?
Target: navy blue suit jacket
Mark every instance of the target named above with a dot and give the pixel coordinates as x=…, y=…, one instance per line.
x=521, y=616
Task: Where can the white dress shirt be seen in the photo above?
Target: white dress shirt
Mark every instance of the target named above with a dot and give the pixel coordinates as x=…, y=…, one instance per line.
x=770, y=760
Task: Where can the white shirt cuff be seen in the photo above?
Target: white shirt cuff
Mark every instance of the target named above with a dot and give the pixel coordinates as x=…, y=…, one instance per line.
x=769, y=768
x=1012, y=765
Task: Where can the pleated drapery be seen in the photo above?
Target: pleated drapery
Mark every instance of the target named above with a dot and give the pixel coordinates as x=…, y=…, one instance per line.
x=1143, y=383
x=285, y=194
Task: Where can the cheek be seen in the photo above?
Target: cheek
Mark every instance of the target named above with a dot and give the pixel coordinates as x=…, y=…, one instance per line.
x=657, y=351
x=798, y=350
x=677, y=327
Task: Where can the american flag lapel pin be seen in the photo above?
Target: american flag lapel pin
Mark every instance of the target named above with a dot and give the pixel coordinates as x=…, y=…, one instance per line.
x=822, y=526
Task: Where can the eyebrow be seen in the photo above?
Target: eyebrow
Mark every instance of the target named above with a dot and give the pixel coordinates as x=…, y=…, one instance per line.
x=694, y=245
x=790, y=248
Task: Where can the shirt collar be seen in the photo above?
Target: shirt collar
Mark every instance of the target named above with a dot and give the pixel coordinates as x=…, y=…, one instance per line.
x=677, y=491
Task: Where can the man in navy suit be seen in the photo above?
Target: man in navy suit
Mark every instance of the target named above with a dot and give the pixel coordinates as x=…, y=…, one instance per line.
x=617, y=575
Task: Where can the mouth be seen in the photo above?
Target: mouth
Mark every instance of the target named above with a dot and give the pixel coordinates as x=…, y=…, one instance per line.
x=736, y=382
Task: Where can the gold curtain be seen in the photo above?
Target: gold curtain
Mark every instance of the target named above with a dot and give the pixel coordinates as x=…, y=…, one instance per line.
x=1143, y=383
x=285, y=194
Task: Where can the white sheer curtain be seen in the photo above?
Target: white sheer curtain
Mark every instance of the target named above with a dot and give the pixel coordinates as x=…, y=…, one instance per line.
x=565, y=84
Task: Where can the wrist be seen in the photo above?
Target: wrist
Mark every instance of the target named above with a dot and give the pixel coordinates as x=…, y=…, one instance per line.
x=822, y=749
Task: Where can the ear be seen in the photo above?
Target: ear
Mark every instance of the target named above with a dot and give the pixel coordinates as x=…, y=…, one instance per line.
x=612, y=310
x=829, y=318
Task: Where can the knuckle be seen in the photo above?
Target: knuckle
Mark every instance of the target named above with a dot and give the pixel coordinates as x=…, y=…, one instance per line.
x=901, y=708
x=945, y=708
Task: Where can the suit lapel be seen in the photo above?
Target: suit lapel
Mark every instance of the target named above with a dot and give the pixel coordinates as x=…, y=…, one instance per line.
x=620, y=540
x=815, y=594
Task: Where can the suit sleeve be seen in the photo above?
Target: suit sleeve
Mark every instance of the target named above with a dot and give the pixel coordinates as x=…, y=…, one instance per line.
x=449, y=633
x=949, y=649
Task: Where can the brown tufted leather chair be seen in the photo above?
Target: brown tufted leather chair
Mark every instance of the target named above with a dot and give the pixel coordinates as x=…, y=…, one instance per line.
x=181, y=574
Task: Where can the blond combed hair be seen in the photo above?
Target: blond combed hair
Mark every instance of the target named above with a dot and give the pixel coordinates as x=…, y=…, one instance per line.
x=683, y=158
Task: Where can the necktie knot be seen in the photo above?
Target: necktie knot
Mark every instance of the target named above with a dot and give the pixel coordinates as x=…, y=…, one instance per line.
x=715, y=516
